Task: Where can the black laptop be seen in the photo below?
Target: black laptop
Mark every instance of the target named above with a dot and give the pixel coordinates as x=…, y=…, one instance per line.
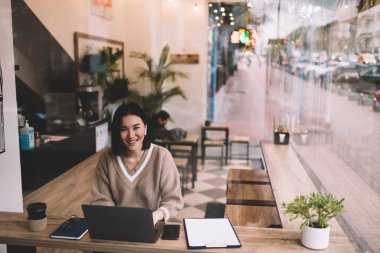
x=121, y=223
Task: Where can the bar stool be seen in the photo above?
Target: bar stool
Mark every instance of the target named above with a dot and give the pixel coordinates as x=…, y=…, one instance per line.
x=215, y=136
x=239, y=140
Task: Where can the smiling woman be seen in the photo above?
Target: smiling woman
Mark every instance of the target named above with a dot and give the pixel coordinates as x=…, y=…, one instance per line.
x=134, y=172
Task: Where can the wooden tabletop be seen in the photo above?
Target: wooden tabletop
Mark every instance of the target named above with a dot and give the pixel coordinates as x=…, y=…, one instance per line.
x=247, y=176
x=14, y=231
x=191, y=139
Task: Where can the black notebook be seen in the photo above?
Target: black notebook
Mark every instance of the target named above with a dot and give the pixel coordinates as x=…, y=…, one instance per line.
x=74, y=228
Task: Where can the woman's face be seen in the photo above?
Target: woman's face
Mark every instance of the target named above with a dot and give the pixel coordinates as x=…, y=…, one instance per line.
x=132, y=132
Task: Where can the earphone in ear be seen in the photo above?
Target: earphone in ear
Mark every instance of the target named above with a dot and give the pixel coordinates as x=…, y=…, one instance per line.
x=145, y=131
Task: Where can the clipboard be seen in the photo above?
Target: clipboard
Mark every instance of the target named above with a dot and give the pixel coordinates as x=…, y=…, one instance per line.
x=210, y=233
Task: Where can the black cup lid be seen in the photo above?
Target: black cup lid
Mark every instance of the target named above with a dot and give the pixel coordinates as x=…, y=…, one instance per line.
x=36, y=211
x=37, y=207
x=37, y=217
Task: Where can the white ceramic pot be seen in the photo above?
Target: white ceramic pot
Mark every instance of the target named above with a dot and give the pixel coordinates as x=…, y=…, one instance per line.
x=315, y=238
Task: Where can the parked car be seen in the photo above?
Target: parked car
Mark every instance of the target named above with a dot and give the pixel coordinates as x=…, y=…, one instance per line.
x=371, y=75
x=366, y=58
x=376, y=102
x=310, y=70
x=348, y=73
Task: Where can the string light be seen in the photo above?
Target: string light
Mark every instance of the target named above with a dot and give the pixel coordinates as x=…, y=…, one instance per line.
x=196, y=7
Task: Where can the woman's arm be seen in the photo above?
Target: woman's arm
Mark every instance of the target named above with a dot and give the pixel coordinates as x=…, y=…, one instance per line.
x=170, y=189
x=101, y=188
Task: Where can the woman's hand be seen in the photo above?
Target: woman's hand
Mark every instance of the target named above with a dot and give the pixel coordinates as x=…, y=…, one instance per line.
x=157, y=215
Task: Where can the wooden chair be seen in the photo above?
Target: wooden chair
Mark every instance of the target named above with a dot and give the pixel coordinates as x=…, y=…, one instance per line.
x=215, y=136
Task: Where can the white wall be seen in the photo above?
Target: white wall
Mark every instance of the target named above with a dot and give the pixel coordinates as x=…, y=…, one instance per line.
x=143, y=26
x=10, y=171
x=185, y=30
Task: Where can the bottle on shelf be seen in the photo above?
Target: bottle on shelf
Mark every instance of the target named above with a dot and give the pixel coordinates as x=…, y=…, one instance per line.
x=27, y=137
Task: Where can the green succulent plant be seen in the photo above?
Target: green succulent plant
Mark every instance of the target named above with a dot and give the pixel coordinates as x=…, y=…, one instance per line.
x=315, y=210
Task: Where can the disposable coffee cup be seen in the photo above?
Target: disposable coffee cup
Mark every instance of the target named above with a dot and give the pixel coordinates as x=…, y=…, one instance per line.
x=282, y=138
x=37, y=218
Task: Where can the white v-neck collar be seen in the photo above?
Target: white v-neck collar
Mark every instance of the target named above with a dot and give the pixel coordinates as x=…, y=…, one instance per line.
x=140, y=168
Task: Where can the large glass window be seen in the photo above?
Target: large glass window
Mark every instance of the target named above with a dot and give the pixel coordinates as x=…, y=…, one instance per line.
x=314, y=71
x=332, y=109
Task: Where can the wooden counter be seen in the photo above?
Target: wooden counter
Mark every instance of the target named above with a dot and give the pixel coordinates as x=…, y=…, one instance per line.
x=65, y=194
x=14, y=231
x=288, y=179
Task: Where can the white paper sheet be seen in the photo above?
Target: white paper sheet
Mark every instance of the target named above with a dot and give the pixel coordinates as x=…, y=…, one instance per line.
x=210, y=233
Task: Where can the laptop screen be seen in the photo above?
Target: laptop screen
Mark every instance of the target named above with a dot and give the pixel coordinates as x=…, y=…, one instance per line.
x=121, y=223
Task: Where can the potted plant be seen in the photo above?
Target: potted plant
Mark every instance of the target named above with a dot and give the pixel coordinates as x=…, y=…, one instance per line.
x=281, y=135
x=157, y=74
x=315, y=210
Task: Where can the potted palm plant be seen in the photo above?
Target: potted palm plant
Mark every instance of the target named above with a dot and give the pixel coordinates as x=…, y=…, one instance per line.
x=316, y=210
x=157, y=74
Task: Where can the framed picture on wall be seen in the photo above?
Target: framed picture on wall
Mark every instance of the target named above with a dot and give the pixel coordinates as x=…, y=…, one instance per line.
x=102, y=8
x=2, y=137
x=97, y=60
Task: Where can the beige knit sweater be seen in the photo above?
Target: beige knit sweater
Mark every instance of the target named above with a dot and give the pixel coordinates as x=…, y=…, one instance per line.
x=155, y=184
